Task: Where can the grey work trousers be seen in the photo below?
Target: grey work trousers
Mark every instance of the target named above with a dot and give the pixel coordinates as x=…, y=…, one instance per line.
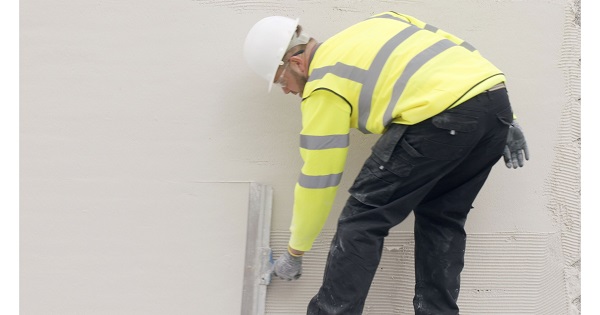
x=435, y=168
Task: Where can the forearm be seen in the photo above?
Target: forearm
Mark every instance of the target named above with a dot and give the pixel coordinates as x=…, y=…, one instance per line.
x=311, y=210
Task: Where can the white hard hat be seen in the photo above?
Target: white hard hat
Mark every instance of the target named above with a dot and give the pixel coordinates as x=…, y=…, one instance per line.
x=266, y=43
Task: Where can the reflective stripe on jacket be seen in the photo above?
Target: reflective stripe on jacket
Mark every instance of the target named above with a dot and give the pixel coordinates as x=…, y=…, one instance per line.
x=390, y=68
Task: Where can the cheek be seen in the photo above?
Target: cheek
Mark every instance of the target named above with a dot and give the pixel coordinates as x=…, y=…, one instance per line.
x=297, y=82
x=300, y=84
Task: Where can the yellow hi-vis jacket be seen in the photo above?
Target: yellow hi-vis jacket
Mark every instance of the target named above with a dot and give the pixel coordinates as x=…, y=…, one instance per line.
x=390, y=68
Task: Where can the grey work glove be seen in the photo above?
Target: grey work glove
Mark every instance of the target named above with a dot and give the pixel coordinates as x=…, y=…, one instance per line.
x=288, y=267
x=516, y=147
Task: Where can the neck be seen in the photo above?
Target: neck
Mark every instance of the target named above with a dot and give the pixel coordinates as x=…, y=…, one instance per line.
x=310, y=52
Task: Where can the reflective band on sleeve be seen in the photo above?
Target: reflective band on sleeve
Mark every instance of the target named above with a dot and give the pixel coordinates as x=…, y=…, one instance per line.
x=324, y=142
x=317, y=182
x=411, y=68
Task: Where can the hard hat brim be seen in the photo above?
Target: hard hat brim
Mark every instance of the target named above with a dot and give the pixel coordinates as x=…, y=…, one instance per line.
x=282, y=53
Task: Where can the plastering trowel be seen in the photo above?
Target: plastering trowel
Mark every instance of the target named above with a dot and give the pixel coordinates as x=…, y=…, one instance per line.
x=259, y=256
x=266, y=272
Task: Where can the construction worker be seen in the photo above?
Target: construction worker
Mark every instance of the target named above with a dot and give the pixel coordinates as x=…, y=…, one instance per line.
x=445, y=119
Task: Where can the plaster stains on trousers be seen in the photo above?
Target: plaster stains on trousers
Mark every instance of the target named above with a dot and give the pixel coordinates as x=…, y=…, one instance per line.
x=435, y=169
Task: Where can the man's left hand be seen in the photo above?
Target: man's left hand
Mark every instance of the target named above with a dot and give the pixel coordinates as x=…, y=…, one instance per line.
x=516, y=147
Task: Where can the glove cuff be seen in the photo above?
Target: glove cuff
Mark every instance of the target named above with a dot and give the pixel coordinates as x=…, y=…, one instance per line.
x=289, y=249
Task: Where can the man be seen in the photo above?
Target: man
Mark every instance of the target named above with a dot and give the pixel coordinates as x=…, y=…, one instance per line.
x=445, y=119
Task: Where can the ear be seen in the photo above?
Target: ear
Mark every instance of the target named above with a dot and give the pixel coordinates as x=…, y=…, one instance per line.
x=299, y=63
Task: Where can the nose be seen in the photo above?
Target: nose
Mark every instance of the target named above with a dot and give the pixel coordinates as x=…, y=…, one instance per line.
x=285, y=90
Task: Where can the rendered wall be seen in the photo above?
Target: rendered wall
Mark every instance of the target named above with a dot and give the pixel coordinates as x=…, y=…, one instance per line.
x=117, y=94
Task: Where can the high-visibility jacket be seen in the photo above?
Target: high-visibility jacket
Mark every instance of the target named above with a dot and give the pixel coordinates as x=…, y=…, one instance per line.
x=390, y=68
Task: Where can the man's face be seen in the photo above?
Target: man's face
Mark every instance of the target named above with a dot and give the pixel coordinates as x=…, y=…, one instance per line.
x=290, y=78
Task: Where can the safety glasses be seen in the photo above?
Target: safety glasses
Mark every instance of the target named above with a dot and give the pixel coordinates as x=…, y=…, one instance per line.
x=281, y=81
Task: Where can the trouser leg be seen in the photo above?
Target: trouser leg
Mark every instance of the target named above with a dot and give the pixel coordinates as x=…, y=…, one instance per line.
x=440, y=238
x=355, y=254
x=382, y=196
x=351, y=265
x=386, y=191
x=440, y=241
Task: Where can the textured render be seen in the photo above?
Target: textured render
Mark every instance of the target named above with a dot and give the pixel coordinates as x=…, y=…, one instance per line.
x=124, y=105
x=564, y=183
x=506, y=273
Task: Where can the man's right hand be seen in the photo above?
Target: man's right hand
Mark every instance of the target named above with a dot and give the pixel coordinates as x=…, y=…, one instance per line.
x=288, y=267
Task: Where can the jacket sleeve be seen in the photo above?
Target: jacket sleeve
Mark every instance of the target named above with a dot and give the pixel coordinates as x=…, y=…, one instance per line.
x=324, y=142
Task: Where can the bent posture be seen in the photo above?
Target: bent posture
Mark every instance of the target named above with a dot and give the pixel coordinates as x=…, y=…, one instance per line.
x=445, y=119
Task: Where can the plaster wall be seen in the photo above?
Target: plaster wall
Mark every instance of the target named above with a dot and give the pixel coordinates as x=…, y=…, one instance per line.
x=139, y=93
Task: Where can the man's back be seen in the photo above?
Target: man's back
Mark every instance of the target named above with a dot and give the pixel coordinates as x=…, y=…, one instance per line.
x=389, y=70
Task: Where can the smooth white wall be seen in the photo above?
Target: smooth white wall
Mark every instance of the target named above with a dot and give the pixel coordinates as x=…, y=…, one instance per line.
x=152, y=92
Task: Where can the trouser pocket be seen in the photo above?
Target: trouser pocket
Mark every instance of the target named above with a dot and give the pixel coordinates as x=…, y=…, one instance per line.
x=383, y=171
x=506, y=116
